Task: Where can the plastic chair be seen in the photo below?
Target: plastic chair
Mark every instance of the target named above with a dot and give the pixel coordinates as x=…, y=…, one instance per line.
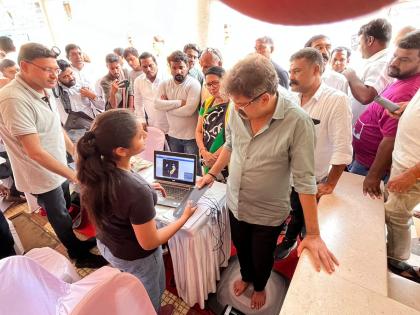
x=28, y=288
x=155, y=141
x=120, y=295
x=55, y=263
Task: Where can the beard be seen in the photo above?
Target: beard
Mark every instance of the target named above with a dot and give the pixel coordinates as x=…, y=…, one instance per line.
x=70, y=83
x=179, y=78
x=396, y=73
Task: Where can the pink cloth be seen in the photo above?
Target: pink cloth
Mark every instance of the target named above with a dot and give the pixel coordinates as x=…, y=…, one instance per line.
x=375, y=124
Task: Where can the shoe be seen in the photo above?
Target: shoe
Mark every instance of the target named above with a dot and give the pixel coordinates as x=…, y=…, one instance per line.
x=404, y=270
x=88, y=244
x=89, y=260
x=284, y=248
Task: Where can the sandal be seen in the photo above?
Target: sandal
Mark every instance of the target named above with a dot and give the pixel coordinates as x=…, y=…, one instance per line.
x=404, y=270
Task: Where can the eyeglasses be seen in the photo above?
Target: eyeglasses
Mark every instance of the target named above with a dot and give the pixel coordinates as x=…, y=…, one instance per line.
x=55, y=71
x=211, y=84
x=243, y=105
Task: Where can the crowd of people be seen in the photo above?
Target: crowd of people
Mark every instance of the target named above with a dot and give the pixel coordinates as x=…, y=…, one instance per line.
x=279, y=139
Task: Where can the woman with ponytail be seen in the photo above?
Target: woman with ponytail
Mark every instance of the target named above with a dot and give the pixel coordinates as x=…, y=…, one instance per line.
x=121, y=203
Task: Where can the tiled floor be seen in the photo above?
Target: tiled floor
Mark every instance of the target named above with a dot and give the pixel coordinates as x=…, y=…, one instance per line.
x=35, y=218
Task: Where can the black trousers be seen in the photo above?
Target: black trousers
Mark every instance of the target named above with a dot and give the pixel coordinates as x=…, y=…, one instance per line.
x=297, y=222
x=56, y=202
x=6, y=238
x=255, y=245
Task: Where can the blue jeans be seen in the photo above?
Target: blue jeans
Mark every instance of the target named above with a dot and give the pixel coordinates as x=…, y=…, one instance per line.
x=56, y=202
x=357, y=168
x=185, y=146
x=149, y=270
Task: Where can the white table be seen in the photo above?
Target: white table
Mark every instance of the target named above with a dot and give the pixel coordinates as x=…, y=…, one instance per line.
x=353, y=227
x=201, y=247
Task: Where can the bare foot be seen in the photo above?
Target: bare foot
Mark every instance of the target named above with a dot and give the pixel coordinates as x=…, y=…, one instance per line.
x=239, y=287
x=258, y=299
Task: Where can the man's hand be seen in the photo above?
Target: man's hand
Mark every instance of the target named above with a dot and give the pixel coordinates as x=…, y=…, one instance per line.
x=401, y=183
x=158, y=187
x=114, y=87
x=183, y=102
x=73, y=177
x=319, y=253
x=205, y=180
x=4, y=191
x=349, y=73
x=85, y=92
x=397, y=114
x=209, y=158
x=372, y=187
x=324, y=189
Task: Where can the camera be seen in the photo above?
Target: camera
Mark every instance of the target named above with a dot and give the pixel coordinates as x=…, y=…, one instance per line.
x=124, y=84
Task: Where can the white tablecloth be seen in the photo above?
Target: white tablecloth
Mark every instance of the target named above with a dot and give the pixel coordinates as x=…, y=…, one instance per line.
x=201, y=247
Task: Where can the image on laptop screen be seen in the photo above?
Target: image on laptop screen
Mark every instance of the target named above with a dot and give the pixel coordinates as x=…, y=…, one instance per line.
x=171, y=167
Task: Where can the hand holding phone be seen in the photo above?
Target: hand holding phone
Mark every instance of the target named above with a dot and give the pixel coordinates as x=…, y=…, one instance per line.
x=387, y=104
x=123, y=84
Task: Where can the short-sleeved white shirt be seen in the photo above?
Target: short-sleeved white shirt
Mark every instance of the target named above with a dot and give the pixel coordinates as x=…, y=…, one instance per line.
x=374, y=75
x=407, y=147
x=24, y=112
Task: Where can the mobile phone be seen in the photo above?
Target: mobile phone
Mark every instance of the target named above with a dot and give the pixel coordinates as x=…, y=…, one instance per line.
x=387, y=104
x=124, y=84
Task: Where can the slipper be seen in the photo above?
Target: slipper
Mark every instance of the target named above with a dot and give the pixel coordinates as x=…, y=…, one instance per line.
x=404, y=270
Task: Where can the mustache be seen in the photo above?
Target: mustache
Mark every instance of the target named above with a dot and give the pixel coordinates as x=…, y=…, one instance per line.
x=293, y=82
x=325, y=56
x=179, y=77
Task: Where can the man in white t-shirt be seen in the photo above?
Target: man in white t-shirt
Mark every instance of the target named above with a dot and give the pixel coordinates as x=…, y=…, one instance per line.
x=331, y=78
x=330, y=111
x=374, y=38
x=404, y=190
x=146, y=91
x=31, y=130
x=179, y=97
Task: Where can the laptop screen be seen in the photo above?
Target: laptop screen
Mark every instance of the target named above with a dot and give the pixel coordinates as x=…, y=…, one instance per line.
x=175, y=167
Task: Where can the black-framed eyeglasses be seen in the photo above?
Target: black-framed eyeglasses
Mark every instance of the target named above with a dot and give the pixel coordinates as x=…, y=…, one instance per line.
x=213, y=83
x=243, y=105
x=55, y=71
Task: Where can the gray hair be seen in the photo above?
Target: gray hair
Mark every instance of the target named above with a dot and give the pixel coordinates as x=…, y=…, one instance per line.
x=251, y=76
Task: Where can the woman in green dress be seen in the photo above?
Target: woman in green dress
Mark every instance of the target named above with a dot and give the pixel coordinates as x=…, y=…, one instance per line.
x=214, y=113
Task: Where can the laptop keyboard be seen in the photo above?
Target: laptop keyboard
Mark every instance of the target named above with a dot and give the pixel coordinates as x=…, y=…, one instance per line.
x=177, y=193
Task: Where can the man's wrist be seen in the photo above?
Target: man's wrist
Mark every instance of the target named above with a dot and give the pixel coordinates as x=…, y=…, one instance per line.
x=212, y=175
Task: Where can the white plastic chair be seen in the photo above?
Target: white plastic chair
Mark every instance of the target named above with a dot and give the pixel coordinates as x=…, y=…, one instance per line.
x=28, y=288
x=155, y=141
x=55, y=263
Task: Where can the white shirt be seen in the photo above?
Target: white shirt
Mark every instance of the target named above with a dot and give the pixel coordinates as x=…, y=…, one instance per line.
x=374, y=75
x=335, y=80
x=86, y=76
x=80, y=104
x=407, y=146
x=334, y=132
x=182, y=119
x=145, y=93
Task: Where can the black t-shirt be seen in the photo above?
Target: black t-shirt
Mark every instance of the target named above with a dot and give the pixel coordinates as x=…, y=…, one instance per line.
x=136, y=205
x=282, y=74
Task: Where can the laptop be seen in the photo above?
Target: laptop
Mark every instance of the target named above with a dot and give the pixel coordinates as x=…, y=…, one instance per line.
x=176, y=172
